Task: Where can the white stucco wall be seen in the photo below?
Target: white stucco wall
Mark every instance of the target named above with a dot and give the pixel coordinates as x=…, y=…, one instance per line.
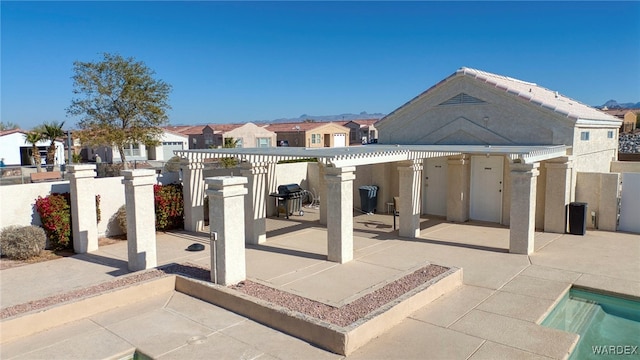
x=501, y=119
x=111, y=193
x=601, y=192
x=294, y=173
x=595, y=154
x=23, y=198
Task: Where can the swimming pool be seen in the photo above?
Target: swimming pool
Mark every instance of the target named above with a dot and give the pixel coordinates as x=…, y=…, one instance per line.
x=608, y=326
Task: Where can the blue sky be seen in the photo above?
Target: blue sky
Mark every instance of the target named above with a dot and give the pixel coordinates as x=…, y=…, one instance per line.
x=247, y=61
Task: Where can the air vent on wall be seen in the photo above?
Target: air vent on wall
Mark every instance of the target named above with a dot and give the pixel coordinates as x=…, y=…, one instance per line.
x=462, y=98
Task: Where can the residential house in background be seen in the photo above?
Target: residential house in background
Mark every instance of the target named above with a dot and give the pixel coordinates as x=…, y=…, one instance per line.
x=193, y=133
x=16, y=152
x=248, y=135
x=362, y=131
x=213, y=135
x=311, y=134
x=169, y=142
x=629, y=118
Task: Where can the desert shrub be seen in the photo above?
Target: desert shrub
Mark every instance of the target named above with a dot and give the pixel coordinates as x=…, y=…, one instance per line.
x=173, y=164
x=55, y=214
x=121, y=218
x=22, y=242
x=169, y=206
x=98, y=211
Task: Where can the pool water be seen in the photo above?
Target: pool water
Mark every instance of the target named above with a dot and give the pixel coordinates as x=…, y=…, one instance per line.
x=608, y=326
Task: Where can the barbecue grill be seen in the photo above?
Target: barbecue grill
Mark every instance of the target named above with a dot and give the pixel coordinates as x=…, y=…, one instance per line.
x=289, y=197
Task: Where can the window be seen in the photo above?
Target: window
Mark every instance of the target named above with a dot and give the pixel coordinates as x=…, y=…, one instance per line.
x=263, y=142
x=239, y=142
x=132, y=150
x=610, y=134
x=584, y=135
x=316, y=139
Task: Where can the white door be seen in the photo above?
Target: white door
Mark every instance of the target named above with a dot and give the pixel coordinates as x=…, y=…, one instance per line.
x=434, y=192
x=486, y=188
x=339, y=140
x=629, y=205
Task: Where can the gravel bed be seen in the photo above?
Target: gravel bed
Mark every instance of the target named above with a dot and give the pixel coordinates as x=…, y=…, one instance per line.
x=348, y=313
x=342, y=316
x=629, y=143
x=97, y=289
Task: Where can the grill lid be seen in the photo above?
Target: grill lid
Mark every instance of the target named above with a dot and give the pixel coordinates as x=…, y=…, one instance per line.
x=289, y=188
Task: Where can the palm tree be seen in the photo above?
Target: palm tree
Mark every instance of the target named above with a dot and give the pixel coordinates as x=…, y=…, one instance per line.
x=52, y=131
x=33, y=137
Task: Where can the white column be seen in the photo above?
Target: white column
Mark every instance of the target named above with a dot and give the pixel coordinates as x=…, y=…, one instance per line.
x=558, y=194
x=272, y=187
x=458, y=188
x=83, y=208
x=193, y=194
x=322, y=193
x=255, y=224
x=339, y=200
x=226, y=221
x=523, y=207
x=409, y=207
x=141, y=218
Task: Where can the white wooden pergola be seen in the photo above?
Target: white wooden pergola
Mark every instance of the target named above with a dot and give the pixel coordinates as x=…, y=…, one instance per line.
x=337, y=172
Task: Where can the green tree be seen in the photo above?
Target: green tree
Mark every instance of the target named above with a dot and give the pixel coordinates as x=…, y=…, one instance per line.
x=33, y=137
x=8, y=126
x=51, y=132
x=120, y=103
x=229, y=143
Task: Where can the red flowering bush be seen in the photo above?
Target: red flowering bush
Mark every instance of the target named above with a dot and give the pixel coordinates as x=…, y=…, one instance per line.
x=55, y=214
x=169, y=206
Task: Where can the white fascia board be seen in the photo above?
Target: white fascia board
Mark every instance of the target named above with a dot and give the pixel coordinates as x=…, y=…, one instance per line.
x=599, y=123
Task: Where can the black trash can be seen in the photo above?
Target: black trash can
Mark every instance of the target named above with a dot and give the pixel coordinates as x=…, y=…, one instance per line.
x=368, y=198
x=578, y=218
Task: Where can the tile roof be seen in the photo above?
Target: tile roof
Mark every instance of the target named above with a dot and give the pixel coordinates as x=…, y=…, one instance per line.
x=186, y=129
x=620, y=112
x=532, y=93
x=538, y=95
x=225, y=127
x=295, y=126
x=12, y=131
x=361, y=122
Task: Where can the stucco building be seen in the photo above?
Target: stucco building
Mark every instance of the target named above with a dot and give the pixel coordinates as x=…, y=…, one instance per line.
x=362, y=131
x=475, y=146
x=311, y=134
x=473, y=107
x=16, y=151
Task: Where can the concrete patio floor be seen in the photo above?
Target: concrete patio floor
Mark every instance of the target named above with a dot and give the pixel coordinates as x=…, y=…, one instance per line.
x=493, y=315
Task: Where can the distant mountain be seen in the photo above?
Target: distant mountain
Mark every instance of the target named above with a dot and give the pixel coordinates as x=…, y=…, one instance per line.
x=612, y=104
x=324, y=118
